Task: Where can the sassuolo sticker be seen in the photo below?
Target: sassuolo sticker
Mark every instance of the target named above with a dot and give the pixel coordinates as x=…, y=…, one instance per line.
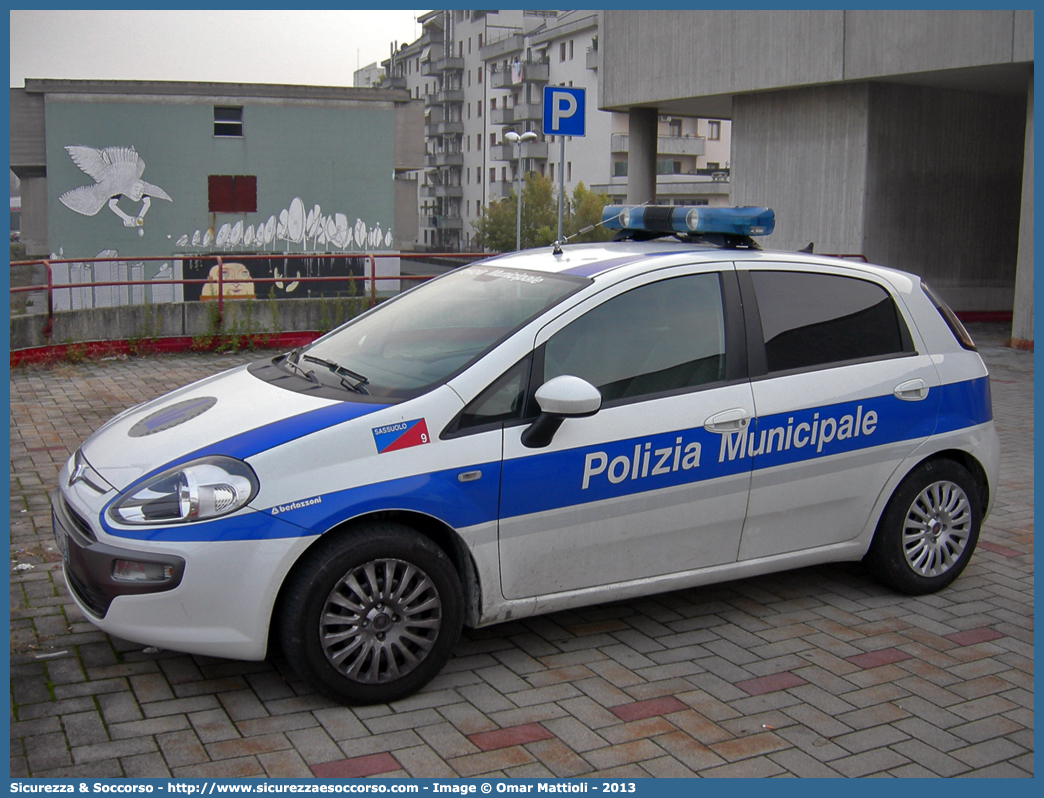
x=401, y=435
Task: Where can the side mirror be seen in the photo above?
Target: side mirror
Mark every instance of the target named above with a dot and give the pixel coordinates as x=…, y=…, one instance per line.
x=561, y=398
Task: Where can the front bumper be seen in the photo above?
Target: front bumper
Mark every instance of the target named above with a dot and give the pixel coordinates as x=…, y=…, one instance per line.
x=89, y=565
x=218, y=601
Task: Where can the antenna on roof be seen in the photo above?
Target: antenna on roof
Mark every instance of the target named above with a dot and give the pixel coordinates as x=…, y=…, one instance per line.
x=556, y=247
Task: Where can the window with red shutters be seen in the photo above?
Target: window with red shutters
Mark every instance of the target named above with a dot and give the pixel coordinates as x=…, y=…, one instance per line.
x=232, y=193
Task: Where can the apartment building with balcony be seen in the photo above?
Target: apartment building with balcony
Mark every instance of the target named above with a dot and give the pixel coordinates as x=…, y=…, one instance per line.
x=482, y=73
x=691, y=167
x=554, y=53
x=443, y=68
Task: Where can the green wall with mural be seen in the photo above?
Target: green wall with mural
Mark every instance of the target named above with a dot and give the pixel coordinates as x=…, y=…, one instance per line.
x=339, y=157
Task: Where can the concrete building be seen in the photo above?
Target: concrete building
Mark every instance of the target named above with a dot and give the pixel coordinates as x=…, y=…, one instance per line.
x=368, y=77
x=16, y=207
x=129, y=169
x=482, y=73
x=905, y=136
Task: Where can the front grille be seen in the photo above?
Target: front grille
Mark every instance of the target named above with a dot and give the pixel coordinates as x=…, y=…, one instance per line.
x=78, y=521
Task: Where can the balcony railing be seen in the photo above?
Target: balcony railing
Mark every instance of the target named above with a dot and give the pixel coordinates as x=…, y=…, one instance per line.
x=507, y=152
x=665, y=145
x=509, y=44
x=516, y=75
x=592, y=59
x=441, y=159
x=499, y=189
x=433, y=67
x=442, y=191
x=528, y=112
x=444, y=96
x=670, y=186
x=502, y=116
x=444, y=129
x=445, y=222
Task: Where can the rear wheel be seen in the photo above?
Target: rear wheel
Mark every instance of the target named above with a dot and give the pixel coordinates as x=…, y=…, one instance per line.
x=928, y=530
x=373, y=615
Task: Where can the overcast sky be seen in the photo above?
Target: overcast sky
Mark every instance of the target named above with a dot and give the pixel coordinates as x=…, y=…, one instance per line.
x=319, y=48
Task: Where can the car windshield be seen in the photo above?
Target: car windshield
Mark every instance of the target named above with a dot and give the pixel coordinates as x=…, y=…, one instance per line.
x=404, y=347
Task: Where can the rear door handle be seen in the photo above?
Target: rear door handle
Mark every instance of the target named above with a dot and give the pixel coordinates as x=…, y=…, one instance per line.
x=733, y=420
x=911, y=391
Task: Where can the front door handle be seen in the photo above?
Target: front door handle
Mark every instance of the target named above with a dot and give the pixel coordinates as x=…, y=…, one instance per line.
x=733, y=420
x=911, y=391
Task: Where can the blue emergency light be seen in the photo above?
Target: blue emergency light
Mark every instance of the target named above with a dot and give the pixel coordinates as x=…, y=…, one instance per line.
x=746, y=221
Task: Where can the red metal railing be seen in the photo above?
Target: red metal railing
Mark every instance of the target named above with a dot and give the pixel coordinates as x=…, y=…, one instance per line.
x=372, y=277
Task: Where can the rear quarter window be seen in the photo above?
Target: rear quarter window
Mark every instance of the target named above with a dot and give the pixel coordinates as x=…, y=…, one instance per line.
x=811, y=320
x=958, y=330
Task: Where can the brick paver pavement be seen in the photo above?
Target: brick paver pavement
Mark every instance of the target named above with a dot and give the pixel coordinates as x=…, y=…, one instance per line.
x=816, y=672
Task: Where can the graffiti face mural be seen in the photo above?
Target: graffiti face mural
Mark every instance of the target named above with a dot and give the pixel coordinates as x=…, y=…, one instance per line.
x=117, y=173
x=275, y=277
x=235, y=282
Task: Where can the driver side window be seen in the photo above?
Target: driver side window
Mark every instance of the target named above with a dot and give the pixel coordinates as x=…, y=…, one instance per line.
x=660, y=337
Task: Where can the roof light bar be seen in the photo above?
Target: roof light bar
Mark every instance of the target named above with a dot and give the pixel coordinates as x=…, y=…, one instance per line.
x=747, y=221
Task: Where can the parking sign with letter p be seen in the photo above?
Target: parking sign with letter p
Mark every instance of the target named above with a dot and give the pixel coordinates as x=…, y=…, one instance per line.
x=564, y=111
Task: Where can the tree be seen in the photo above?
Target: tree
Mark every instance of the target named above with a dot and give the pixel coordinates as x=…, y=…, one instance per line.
x=495, y=229
x=586, y=212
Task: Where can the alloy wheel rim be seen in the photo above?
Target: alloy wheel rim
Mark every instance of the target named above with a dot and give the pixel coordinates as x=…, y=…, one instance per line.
x=380, y=621
x=937, y=528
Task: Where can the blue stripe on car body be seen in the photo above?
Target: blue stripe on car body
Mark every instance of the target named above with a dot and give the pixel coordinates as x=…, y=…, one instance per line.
x=653, y=462
x=439, y=494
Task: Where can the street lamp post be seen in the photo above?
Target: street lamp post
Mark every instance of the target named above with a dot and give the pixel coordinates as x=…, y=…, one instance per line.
x=518, y=141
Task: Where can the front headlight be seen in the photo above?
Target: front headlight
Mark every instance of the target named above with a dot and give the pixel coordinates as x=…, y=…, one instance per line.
x=203, y=489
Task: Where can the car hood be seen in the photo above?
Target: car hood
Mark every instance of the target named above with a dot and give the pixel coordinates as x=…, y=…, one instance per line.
x=233, y=413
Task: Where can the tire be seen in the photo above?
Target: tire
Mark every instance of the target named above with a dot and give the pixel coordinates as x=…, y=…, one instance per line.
x=928, y=530
x=371, y=616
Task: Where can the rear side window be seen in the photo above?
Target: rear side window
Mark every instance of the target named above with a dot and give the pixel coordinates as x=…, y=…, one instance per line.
x=810, y=320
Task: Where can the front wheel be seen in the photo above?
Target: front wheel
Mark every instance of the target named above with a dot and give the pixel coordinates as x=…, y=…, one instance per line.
x=371, y=616
x=929, y=529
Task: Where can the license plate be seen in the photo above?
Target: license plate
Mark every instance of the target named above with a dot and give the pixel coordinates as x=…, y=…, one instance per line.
x=60, y=539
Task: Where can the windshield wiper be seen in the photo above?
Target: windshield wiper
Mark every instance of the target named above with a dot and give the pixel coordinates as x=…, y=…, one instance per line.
x=358, y=380
x=292, y=359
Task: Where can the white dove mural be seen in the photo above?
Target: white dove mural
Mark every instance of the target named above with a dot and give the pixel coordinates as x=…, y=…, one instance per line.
x=117, y=173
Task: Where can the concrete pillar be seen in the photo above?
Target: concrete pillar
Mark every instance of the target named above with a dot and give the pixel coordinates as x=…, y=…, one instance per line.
x=935, y=204
x=802, y=152
x=641, y=155
x=1022, y=315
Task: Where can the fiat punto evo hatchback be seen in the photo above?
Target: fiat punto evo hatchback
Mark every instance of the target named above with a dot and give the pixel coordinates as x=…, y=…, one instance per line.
x=542, y=430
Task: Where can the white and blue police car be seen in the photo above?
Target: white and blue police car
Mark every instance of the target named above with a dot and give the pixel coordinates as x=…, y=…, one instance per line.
x=541, y=430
